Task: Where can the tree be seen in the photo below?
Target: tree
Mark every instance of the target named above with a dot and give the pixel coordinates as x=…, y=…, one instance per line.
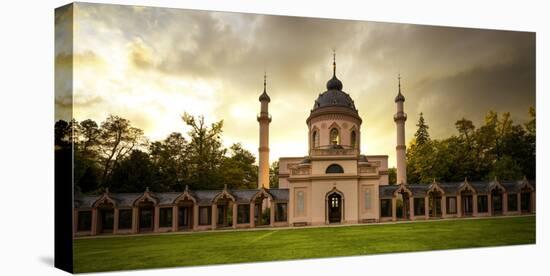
x=529, y=163
x=465, y=130
x=238, y=171
x=531, y=125
x=506, y=168
x=90, y=132
x=62, y=132
x=117, y=139
x=88, y=181
x=497, y=148
x=392, y=176
x=170, y=158
x=465, y=149
x=422, y=136
x=274, y=175
x=205, y=153
x=134, y=173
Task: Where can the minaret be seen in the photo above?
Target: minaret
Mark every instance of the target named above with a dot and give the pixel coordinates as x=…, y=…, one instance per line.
x=400, y=117
x=264, y=119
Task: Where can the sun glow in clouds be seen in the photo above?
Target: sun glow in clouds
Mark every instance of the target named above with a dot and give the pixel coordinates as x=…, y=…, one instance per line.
x=150, y=65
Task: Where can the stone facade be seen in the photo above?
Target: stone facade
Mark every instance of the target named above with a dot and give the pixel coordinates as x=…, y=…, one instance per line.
x=149, y=212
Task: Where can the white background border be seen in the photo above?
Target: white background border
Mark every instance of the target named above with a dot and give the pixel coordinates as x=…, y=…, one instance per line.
x=26, y=136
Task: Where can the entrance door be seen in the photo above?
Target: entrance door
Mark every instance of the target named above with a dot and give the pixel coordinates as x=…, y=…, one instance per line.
x=334, y=208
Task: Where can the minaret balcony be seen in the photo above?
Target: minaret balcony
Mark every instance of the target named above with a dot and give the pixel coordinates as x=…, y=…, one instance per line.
x=263, y=116
x=400, y=116
x=333, y=150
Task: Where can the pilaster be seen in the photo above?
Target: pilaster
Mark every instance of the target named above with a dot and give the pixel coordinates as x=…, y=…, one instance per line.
x=393, y=209
x=116, y=213
x=175, y=218
x=214, y=214
x=94, y=222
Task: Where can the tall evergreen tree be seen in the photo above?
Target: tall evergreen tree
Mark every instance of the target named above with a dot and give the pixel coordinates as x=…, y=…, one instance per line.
x=422, y=136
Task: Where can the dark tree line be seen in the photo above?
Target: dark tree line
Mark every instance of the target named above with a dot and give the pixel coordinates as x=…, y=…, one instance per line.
x=498, y=148
x=116, y=155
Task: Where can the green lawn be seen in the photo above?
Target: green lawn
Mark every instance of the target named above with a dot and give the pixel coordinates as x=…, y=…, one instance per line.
x=137, y=252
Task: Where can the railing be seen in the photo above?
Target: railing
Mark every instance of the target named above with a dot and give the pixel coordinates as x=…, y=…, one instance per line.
x=400, y=116
x=367, y=170
x=263, y=115
x=334, y=150
x=301, y=171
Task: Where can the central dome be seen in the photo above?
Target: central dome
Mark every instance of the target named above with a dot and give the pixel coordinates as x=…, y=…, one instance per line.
x=334, y=96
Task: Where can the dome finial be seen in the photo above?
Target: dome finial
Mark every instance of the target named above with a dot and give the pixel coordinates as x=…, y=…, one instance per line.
x=334, y=83
x=265, y=80
x=264, y=96
x=399, y=97
x=333, y=62
x=399, y=81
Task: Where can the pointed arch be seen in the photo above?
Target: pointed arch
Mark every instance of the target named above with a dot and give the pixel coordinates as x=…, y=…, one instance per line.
x=147, y=196
x=105, y=198
x=332, y=191
x=402, y=189
x=186, y=195
x=224, y=193
x=262, y=192
x=435, y=187
x=466, y=186
x=524, y=184
x=315, y=137
x=335, y=134
x=496, y=185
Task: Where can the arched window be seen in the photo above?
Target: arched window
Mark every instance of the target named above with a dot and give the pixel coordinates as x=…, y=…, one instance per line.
x=334, y=168
x=353, y=139
x=315, y=139
x=334, y=137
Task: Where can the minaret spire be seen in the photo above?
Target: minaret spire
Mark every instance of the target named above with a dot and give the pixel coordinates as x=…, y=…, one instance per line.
x=263, y=155
x=400, y=117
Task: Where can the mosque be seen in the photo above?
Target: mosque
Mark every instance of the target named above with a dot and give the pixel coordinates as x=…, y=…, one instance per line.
x=334, y=184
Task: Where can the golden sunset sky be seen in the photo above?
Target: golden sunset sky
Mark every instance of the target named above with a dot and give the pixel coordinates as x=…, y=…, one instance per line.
x=150, y=65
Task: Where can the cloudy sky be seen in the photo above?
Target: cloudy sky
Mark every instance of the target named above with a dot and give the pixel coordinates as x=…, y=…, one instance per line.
x=150, y=65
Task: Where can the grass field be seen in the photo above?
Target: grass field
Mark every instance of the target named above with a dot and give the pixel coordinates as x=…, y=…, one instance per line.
x=138, y=252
